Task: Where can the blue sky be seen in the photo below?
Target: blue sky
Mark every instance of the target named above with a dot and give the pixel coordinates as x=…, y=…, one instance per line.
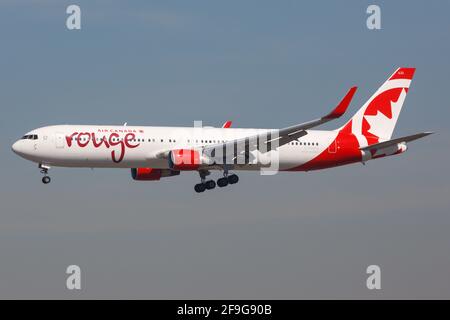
x=260, y=64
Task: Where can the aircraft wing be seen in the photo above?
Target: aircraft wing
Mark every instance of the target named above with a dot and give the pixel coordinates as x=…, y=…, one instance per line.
x=336, y=113
x=284, y=135
x=385, y=144
x=266, y=140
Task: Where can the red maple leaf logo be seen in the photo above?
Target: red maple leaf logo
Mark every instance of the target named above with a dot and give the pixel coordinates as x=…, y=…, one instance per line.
x=381, y=103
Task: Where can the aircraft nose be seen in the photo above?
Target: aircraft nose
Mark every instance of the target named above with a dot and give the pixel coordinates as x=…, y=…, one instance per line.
x=17, y=148
x=14, y=147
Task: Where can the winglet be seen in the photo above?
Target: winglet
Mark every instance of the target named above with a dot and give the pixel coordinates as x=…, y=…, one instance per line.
x=343, y=105
x=227, y=124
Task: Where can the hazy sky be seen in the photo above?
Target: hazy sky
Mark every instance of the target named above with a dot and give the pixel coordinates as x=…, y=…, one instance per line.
x=260, y=64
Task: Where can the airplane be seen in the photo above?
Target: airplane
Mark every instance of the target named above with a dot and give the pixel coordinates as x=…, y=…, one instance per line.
x=153, y=153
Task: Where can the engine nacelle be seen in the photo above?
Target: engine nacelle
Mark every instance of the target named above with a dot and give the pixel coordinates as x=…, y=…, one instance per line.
x=150, y=174
x=184, y=159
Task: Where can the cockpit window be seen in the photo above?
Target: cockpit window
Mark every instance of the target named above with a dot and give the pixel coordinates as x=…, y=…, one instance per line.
x=30, y=137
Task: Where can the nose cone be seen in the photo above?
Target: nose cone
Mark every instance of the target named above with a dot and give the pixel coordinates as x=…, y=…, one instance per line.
x=18, y=148
x=15, y=146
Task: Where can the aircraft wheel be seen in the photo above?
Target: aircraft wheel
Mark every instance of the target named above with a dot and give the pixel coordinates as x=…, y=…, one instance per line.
x=211, y=184
x=232, y=179
x=46, y=180
x=199, y=187
x=222, y=182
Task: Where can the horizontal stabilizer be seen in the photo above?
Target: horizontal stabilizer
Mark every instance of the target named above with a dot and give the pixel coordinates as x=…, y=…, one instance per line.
x=386, y=144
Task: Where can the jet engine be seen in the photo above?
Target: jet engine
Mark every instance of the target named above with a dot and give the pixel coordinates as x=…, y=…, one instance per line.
x=151, y=174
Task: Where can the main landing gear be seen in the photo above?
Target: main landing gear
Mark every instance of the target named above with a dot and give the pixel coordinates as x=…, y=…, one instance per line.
x=231, y=179
x=211, y=184
x=202, y=186
x=44, y=170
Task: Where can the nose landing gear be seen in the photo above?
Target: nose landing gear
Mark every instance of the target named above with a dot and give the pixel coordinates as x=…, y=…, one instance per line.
x=44, y=170
x=46, y=179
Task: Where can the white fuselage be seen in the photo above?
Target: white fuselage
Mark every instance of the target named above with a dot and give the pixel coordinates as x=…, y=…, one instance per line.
x=139, y=146
x=156, y=152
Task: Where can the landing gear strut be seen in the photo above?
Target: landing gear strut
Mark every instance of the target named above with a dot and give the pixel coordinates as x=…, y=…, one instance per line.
x=44, y=170
x=223, y=182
